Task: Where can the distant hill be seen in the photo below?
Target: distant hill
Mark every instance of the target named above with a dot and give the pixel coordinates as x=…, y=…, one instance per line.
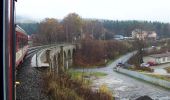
x=30, y=28
x=25, y=19
x=30, y=25
x=124, y=28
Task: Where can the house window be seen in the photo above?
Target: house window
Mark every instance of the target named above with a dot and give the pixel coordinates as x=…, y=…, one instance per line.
x=168, y=58
x=163, y=59
x=157, y=60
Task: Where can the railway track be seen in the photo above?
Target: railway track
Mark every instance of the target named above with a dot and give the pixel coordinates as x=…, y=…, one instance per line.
x=33, y=50
x=36, y=49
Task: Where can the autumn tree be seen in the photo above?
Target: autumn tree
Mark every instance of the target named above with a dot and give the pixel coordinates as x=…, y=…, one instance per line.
x=72, y=26
x=139, y=44
x=93, y=27
x=116, y=48
x=50, y=31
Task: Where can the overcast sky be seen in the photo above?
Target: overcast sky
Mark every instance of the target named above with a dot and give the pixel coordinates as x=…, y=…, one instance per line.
x=150, y=10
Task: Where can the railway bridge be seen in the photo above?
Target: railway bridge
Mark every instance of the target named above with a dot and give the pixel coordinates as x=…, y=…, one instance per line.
x=57, y=57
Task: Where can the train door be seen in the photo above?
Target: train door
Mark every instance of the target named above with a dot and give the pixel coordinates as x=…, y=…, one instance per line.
x=8, y=50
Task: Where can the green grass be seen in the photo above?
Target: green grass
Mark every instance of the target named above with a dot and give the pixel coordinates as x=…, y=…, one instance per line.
x=79, y=74
x=90, y=66
x=110, y=61
x=98, y=74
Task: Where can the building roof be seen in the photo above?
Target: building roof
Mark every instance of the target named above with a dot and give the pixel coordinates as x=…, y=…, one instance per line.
x=19, y=29
x=160, y=55
x=118, y=36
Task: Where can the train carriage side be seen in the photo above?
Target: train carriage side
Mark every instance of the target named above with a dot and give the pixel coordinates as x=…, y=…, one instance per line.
x=21, y=45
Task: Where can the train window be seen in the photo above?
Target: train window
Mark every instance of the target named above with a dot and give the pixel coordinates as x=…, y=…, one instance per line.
x=20, y=42
x=92, y=33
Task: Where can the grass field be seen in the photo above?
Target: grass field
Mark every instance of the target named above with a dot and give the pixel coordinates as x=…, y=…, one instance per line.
x=80, y=75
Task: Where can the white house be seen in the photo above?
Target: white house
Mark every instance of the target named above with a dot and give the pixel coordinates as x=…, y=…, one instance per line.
x=152, y=35
x=141, y=35
x=158, y=58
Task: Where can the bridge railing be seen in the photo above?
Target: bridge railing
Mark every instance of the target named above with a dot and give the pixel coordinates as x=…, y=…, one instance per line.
x=37, y=46
x=44, y=47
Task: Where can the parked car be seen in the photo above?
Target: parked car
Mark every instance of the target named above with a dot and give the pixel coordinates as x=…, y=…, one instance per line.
x=152, y=63
x=144, y=65
x=119, y=64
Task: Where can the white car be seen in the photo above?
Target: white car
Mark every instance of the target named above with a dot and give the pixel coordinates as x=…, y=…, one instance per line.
x=144, y=65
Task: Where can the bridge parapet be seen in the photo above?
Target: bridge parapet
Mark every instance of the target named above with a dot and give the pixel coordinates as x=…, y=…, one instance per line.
x=58, y=57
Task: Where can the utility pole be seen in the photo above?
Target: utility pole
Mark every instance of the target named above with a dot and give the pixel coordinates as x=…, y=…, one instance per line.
x=92, y=31
x=66, y=33
x=62, y=59
x=105, y=55
x=141, y=46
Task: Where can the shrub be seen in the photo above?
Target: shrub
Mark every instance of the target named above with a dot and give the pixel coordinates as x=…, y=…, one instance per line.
x=63, y=87
x=168, y=69
x=104, y=89
x=148, y=69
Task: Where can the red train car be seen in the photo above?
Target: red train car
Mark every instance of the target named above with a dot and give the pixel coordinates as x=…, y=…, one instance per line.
x=21, y=45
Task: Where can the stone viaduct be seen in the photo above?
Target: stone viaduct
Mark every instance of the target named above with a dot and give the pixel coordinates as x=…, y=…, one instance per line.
x=59, y=58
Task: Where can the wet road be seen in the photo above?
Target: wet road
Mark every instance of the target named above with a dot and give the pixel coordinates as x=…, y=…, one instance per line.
x=125, y=87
